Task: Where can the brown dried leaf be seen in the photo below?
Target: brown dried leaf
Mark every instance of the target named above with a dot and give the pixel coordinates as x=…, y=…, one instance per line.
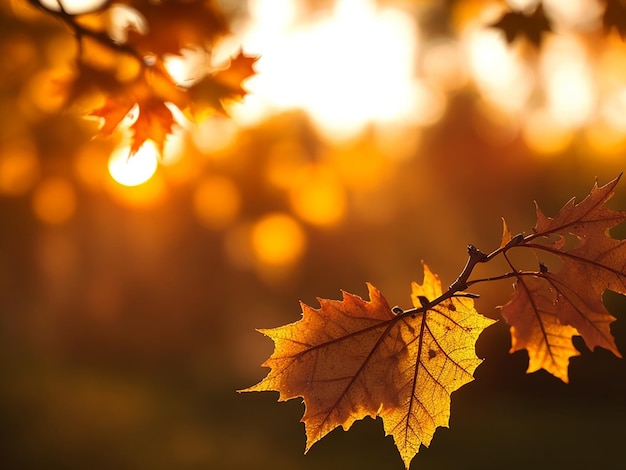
x=570, y=296
x=533, y=314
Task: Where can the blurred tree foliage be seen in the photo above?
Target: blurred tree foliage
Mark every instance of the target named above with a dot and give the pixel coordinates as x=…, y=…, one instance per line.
x=122, y=52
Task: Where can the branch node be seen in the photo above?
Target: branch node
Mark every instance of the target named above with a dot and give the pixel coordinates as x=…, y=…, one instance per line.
x=516, y=240
x=476, y=254
x=423, y=301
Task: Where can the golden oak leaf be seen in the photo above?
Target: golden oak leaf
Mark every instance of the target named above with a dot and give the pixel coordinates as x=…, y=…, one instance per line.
x=154, y=122
x=550, y=307
x=353, y=358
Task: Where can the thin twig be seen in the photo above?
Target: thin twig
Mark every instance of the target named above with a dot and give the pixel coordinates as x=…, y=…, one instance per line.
x=462, y=282
x=81, y=31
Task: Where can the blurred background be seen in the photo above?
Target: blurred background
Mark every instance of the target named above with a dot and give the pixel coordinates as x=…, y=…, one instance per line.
x=375, y=135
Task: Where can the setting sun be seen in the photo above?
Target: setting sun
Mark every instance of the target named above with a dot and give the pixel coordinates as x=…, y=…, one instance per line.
x=132, y=171
x=348, y=68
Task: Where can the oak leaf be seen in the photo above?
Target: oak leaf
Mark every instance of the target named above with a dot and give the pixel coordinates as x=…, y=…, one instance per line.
x=354, y=358
x=549, y=307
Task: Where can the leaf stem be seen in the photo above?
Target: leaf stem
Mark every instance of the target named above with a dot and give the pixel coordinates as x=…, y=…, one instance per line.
x=462, y=282
x=501, y=277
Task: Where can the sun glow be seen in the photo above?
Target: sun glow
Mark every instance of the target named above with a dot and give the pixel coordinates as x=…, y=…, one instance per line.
x=568, y=81
x=135, y=170
x=74, y=7
x=54, y=201
x=348, y=68
x=501, y=75
x=278, y=240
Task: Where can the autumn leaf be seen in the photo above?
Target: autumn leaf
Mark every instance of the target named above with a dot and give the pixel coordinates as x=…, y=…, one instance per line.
x=533, y=314
x=155, y=122
x=89, y=78
x=506, y=234
x=516, y=24
x=222, y=85
x=112, y=112
x=615, y=17
x=239, y=69
x=151, y=94
x=551, y=306
x=353, y=358
x=175, y=24
x=123, y=57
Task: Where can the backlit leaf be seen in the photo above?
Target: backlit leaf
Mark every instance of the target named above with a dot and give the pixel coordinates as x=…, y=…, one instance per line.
x=353, y=358
x=175, y=24
x=555, y=304
x=223, y=85
x=155, y=122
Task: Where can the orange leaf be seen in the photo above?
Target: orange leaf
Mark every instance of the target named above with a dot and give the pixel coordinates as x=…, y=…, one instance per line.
x=223, y=85
x=353, y=358
x=175, y=24
x=89, y=78
x=506, y=234
x=155, y=122
x=553, y=306
x=112, y=112
x=533, y=314
x=241, y=67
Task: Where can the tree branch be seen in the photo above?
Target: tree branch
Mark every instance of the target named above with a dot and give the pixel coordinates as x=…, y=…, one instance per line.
x=462, y=282
x=81, y=31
